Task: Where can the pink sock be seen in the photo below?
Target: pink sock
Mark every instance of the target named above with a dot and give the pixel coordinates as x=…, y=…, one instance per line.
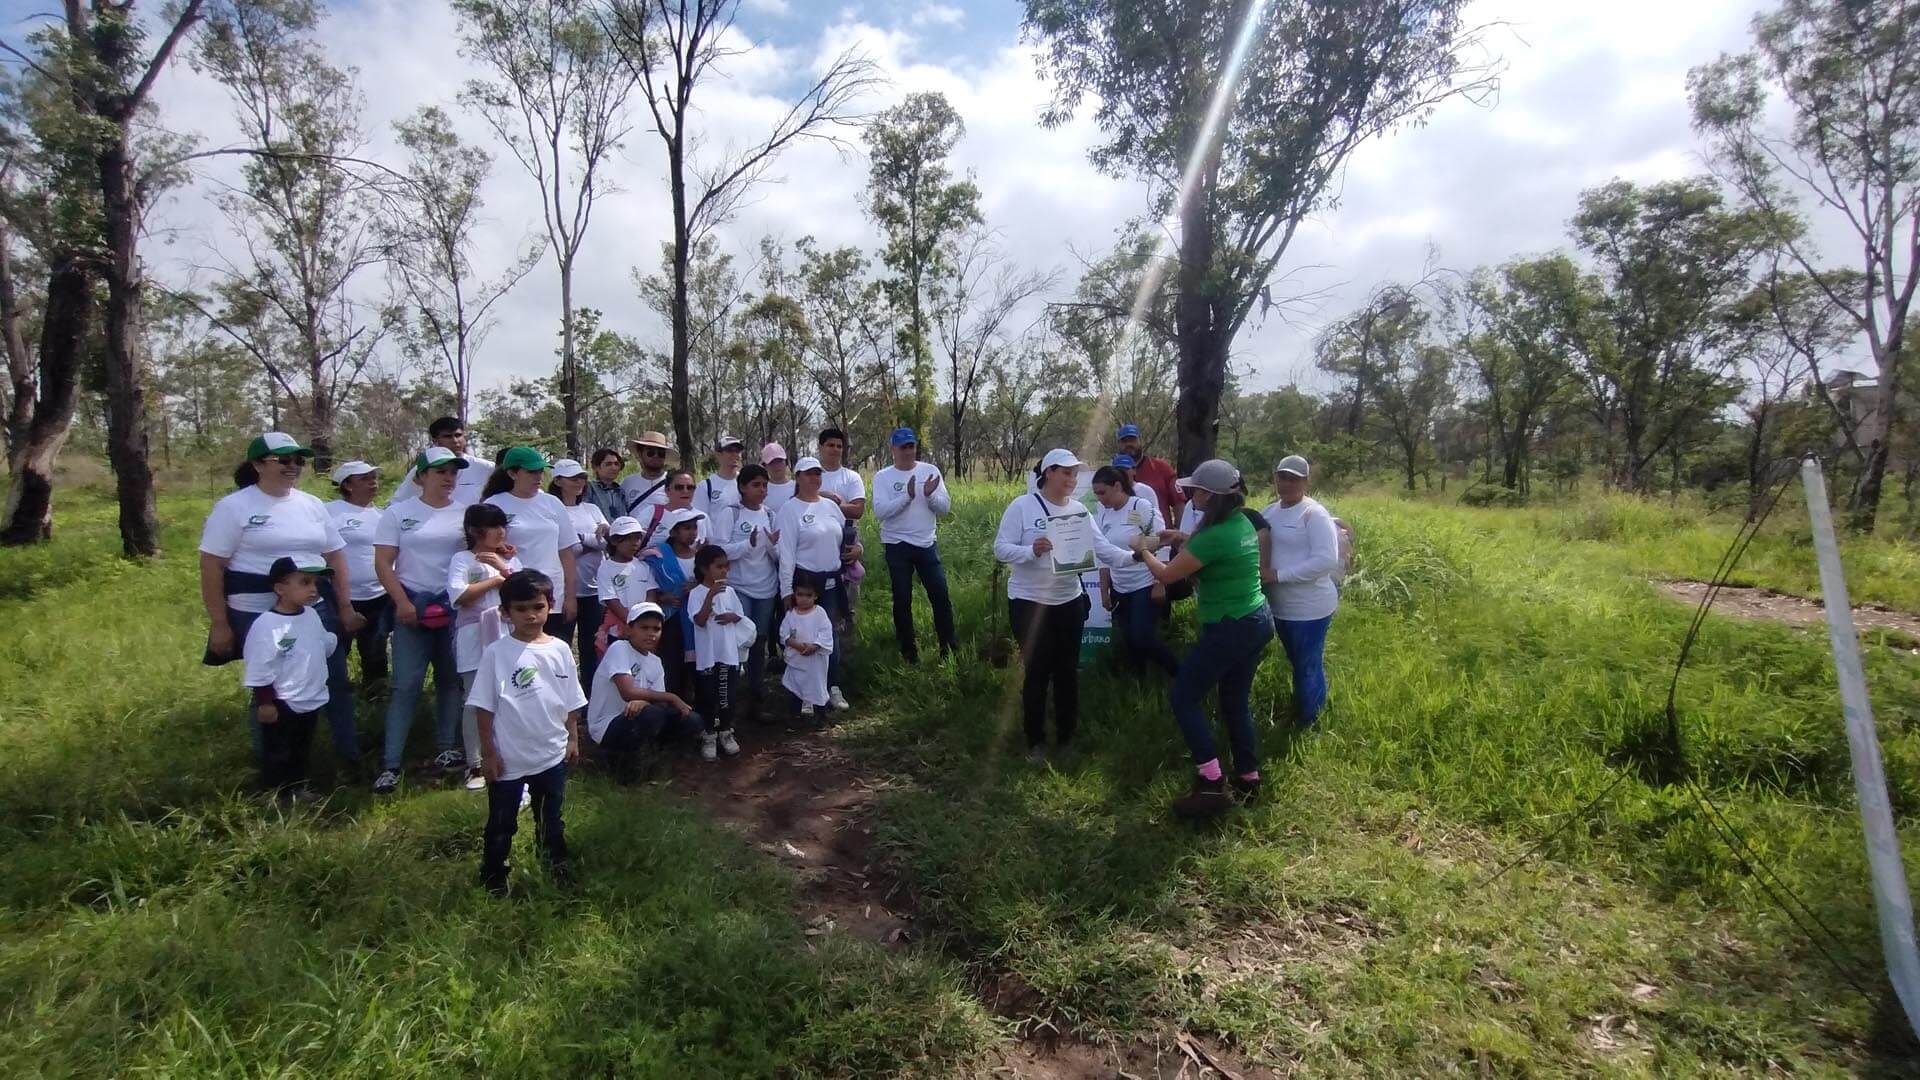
x=1210, y=770
x=1250, y=777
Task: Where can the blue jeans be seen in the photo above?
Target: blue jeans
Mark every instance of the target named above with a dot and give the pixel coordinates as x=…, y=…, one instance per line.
x=415, y=648
x=903, y=562
x=339, y=708
x=1306, y=643
x=586, y=623
x=1138, y=621
x=1226, y=655
x=766, y=616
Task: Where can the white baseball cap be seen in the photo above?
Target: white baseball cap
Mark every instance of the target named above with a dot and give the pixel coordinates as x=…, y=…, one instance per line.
x=625, y=526
x=725, y=442
x=675, y=518
x=808, y=464
x=1061, y=458
x=645, y=607
x=566, y=466
x=1293, y=463
x=347, y=470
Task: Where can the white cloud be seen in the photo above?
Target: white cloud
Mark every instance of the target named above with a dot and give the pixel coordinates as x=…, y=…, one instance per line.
x=768, y=7
x=939, y=15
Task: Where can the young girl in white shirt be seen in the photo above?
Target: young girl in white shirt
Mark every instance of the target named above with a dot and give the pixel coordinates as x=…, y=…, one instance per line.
x=806, y=635
x=721, y=634
x=473, y=577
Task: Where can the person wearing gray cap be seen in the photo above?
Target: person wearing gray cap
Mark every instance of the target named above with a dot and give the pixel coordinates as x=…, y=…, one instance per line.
x=1303, y=596
x=1223, y=559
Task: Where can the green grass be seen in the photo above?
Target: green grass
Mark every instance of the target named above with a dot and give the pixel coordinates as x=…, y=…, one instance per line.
x=1492, y=669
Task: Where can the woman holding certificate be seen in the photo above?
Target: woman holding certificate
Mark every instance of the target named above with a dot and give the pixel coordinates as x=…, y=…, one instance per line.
x=1047, y=538
x=1223, y=559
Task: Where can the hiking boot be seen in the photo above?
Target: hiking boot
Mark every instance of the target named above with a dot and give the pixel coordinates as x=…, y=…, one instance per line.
x=1208, y=799
x=1246, y=790
x=386, y=783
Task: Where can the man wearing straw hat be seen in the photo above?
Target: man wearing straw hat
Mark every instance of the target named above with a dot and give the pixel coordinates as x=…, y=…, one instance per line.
x=648, y=485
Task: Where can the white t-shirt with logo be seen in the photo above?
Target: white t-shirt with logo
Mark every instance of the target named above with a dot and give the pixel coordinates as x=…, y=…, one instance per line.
x=806, y=676
x=251, y=529
x=289, y=653
x=529, y=689
x=539, y=528
x=636, y=486
x=626, y=582
x=909, y=517
x=717, y=643
x=605, y=702
x=1139, y=517
x=844, y=482
x=476, y=625
x=357, y=525
x=716, y=495
x=425, y=539
x=753, y=564
x=778, y=493
x=587, y=519
x=810, y=535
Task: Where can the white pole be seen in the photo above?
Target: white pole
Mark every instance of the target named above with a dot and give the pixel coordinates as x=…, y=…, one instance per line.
x=1890, y=896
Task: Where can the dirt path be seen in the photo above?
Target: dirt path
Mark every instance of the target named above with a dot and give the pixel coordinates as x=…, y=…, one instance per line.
x=1752, y=603
x=807, y=804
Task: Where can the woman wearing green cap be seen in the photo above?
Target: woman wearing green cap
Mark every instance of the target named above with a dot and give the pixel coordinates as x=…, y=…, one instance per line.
x=267, y=518
x=1223, y=559
x=412, y=550
x=539, y=529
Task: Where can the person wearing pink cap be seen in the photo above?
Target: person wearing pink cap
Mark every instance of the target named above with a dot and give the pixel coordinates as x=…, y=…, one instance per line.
x=780, y=481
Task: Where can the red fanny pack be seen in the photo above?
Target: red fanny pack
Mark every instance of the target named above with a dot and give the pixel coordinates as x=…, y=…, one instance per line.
x=436, y=616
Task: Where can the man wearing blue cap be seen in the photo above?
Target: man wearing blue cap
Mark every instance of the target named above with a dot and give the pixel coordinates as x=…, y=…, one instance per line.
x=1156, y=473
x=909, y=496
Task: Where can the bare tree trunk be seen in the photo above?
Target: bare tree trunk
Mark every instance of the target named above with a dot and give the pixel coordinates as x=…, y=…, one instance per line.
x=63, y=335
x=682, y=259
x=569, y=361
x=1202, y=345
x=19, y=360
x=127, y=446
x=1866, y=499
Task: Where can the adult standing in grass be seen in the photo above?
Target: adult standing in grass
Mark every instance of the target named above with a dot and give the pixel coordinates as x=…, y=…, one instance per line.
x=909, y=498
x=1127, y=588
x=720, y=493
x=357, y=519
x=266, y=519
x=1223, y=559
x=750, y=539
x=413, y=551
x=841, y=485
x=450, y=434
x=1303, y=596
x=1157, y=474
x=539, y=530
x=811, y=528
x=590, y=533
x=647, y=486
x=603, y=490
x=1047, y=610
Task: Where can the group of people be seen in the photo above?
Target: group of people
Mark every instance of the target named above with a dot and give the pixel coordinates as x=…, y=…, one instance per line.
x=549, y=596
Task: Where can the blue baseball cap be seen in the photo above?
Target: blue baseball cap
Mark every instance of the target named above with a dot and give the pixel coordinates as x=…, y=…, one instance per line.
x=1129, y=431
x=1124, y=461
x=903, y=436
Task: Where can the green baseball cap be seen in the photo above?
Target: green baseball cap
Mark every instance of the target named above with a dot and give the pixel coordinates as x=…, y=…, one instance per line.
x=438, y=457
x=270, y=443
x=524, y=457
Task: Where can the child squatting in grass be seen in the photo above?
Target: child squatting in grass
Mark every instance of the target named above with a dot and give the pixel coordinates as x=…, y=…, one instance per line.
x=630, y=708
x=527, y=699
x=285, y=656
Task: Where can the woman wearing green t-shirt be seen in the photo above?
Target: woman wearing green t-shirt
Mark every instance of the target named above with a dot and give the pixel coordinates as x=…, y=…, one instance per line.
x=1223, y=559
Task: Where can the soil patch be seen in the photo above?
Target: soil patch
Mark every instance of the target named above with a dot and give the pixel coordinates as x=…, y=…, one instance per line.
x=1753, y=603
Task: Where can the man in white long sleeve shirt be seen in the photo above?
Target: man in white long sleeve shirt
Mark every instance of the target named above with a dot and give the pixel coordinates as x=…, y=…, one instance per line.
x=449, y=432
x=909, y=498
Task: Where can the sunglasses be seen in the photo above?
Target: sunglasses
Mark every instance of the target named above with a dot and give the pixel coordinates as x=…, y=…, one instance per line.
x=286, y=459
x=685, y=487
x=653, y=453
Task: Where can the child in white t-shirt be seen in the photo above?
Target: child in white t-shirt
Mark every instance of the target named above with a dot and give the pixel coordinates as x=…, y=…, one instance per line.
x=527, y=698
x=722, y=634
x=473, y=576
x=806, y=635
x=624, y=579
x=285, y=658
x=629, y=708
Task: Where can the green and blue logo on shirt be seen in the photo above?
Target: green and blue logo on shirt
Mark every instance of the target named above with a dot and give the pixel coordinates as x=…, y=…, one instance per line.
x=899, y=485
x=286, y=643
x=525, y=678
x=409, y=524
x=257, y=520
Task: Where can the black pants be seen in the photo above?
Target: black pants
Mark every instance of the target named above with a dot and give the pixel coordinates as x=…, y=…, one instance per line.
x=284, y=745
x=673, y=651
x=718, y=687
x=372, y=638
x=903, y=562
x=1050, y=647
x=549, y=790
x=585, y=626
x=627, y=736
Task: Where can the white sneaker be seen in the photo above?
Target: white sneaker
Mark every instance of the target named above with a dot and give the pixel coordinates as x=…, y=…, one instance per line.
x=709, y=747
x=476, y=780
x=837, y=700
x=728, y=744
x=526, y=798
x=806, y=711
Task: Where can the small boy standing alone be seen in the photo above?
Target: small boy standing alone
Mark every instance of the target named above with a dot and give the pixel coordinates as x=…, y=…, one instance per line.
x=286, y=655
x=527, y=699
x=806, y=633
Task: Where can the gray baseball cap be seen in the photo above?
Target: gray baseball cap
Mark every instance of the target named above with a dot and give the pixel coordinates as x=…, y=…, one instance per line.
x=1293, y=463
x=1215, y=474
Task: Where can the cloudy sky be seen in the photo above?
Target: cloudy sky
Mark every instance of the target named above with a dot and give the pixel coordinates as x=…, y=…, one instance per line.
x=1590, y=92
